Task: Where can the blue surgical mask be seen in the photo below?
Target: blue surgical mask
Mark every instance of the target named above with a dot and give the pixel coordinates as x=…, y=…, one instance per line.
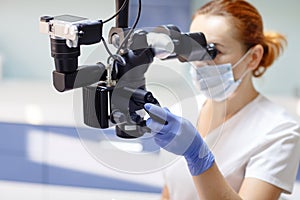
x=217, y=81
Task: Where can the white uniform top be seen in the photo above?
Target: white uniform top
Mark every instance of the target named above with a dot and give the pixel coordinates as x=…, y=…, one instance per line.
x=260, y=141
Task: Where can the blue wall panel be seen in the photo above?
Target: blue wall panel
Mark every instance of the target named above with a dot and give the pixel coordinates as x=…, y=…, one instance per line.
x=15, y=165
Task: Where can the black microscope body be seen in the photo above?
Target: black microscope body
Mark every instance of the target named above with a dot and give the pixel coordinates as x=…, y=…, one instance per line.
x=113, y=94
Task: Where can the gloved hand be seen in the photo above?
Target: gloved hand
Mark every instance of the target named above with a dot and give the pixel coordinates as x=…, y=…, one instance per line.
x=180, y=137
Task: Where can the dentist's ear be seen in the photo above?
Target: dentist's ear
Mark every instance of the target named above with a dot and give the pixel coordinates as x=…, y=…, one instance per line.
x=256, y=55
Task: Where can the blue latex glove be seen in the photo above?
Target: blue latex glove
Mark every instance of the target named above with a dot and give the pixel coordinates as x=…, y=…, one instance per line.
x=180, y=137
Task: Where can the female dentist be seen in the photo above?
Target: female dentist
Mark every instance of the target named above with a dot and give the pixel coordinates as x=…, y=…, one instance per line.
x=244, y=146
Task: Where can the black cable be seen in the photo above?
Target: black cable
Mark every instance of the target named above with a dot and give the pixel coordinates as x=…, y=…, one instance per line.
x=116, y=57
x=138, y=15
x=117, y=13
x=133, y=27
x=106, y=47
x=129, y=33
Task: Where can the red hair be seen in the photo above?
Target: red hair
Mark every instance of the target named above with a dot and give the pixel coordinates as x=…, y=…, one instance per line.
x=249, y=28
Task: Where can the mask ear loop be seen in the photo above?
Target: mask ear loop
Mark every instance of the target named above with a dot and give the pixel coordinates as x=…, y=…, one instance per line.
x=241, y=60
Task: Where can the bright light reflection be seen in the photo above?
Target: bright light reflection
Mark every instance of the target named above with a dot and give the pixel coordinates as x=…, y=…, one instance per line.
x=33, y=114
x=298, y=107
x=124, y=146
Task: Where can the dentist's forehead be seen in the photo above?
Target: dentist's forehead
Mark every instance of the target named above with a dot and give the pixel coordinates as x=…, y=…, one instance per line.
x=217, y=29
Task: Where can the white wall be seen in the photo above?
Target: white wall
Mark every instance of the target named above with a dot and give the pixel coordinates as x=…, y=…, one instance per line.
x=282, y=16
x=26, y=52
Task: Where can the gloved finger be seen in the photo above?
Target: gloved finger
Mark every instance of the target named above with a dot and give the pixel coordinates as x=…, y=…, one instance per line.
x=157, y=113
x=155, y=127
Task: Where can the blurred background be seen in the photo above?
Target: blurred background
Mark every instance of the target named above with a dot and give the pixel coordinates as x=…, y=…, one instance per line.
x=43, y=153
